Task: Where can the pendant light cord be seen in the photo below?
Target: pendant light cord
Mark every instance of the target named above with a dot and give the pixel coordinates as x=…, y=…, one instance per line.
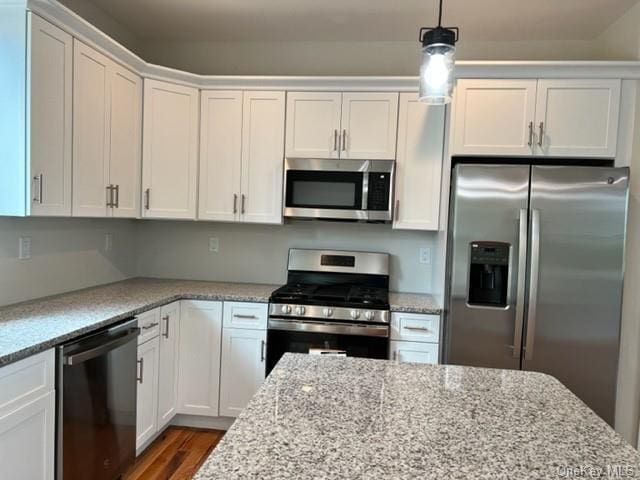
x=440, y=15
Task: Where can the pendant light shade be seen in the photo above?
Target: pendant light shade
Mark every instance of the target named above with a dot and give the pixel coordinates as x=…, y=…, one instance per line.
x=438, y=61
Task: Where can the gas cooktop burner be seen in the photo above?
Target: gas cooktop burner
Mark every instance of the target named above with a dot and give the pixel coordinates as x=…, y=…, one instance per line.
x=346, y=295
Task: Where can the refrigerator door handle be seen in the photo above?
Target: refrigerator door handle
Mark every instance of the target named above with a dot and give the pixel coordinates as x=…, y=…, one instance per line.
x=533, y=284
x=521, y=283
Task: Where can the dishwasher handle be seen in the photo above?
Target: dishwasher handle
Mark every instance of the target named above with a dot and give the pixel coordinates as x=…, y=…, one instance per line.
x=93, y=352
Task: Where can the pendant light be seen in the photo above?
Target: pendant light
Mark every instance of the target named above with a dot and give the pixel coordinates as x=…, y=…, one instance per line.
x=438, y=60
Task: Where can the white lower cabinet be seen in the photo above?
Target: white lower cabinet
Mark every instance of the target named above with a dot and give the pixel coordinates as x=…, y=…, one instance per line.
x=199, y=371
x=243, y=368
x=168, y=363
x=414, y=338
x=27, y=419
x=147, y=407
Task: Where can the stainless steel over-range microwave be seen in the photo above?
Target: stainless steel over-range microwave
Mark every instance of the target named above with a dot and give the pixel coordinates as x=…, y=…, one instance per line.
x=360, y=190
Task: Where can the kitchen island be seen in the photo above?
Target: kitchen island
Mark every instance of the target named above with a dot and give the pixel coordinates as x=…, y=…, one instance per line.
x=349, y=418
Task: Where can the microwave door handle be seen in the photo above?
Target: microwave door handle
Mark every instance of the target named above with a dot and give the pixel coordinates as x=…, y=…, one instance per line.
x=365, y=190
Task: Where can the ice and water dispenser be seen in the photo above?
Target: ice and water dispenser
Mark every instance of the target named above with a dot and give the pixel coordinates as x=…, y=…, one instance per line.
x=488, y=274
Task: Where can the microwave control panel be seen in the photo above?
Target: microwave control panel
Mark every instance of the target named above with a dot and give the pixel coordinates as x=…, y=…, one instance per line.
x=379, y=191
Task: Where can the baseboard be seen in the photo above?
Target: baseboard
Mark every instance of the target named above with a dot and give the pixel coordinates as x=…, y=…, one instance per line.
x=200, y=421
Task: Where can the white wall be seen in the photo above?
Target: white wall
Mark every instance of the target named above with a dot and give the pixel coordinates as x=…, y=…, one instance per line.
x=258, y=253
x=67, y=254
x=621, y=41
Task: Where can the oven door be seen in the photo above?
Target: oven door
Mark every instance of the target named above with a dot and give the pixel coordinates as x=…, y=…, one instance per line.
x=325, y=338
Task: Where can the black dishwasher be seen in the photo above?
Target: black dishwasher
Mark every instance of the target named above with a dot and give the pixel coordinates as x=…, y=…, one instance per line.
x=96, y=402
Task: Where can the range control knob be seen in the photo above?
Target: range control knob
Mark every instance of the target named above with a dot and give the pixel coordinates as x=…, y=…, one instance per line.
x=286, y=308
x=327, y=312
x=300, y=310
x=355, y=314
x=369, y=315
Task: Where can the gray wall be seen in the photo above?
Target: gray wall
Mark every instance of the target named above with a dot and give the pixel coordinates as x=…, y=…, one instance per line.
x=67, y=254
x=258, y=253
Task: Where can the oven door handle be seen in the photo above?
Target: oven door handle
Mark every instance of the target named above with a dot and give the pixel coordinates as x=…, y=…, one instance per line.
x=88, y=354
x=325, y=327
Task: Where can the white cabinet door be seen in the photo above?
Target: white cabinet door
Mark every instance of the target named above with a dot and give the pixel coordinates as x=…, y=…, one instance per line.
x=262, y=157
x=49, y=90
x=147, y=406
x=413, y=352
x=419, y=164
x=125, y=161
x=170, y=150
x=577, y=118
x=27, y=441
x=313, y=124
x=199, y=371
x=369, y=125
x=494, y=117
x=220, y=155
x=243, y=368
x=91, y=111
x=168, y=363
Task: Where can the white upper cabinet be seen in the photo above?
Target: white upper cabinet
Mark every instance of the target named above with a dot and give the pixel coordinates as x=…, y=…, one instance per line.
x=49, y=124
x=106, y=136
x=419, y=164
x=91, y=132
x=494, y=117
x=369, y=124
x=313, y=124
x=170, y=150
x=262, y=157
x=125, y=148
x=555, y=118
x=220, y=155
x=359, y=125
x=577, y=118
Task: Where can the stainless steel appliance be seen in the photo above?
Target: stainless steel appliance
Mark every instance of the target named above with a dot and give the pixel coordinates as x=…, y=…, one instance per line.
x=535, y=267
x=334, y=303
x=357, y=190
x=96, y=388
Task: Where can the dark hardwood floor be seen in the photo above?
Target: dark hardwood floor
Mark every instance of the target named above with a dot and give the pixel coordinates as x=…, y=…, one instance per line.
x=175, y=455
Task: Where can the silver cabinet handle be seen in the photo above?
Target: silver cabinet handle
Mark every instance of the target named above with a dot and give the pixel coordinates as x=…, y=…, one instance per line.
x=344, y=140
x=109, y=196
x=242, y=200
x=38, y=198
x=530, y=143
x=248, y=317
x=520, y=286
x=262, y=345
x=147, y=198
x=418, y=329
x=117, y=202
x=235, y=203
x=150, y=326
x=335, y=140
x=541, y=139
x=533, y=284
x=166, y=326
x=397, y=212
x=140, y=377
x=395, y=355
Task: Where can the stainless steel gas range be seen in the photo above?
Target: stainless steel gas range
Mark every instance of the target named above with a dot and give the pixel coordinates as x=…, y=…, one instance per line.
x=334, y=303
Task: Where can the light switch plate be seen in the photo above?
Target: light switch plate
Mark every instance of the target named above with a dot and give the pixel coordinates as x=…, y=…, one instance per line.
x=425, y=255
x=24, y=248
x=214, y=244
x=108, y=242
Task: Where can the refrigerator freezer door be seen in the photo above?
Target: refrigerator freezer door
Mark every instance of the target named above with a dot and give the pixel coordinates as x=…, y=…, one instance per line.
x=487, y=248
x=573, y=321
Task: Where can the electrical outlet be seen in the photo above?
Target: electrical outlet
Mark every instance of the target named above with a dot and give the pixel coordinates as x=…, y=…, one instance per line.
x=425, y=255
x=213, y=244
x=24, y=248
x=108, y=242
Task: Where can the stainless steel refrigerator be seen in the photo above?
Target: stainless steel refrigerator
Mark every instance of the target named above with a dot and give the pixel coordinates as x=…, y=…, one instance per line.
x=535, y=267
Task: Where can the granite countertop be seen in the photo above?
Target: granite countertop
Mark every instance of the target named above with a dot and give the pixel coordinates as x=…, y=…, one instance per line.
x=350, y=418
x=34, y=326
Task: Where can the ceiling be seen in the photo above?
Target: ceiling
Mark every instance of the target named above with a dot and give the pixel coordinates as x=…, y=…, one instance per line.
x=361, y=20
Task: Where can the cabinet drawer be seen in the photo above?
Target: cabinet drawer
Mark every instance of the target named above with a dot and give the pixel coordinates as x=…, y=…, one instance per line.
x=413, y=352
x=26, y=380
x=245, y=315
x=415, y=327
x=149, y=323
